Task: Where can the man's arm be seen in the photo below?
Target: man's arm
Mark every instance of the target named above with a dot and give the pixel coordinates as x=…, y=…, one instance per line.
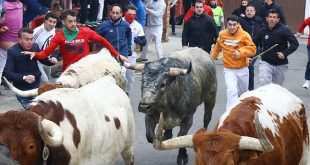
x=303, y=25
x=158, y=12
x=249, y=48
x=9, y=69
x=129, y=39
x=293, y=43
x=185, y=34
x=96, y=37
x=50, y=49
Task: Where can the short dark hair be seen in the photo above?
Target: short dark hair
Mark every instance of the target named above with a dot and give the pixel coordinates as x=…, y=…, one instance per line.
x=24, y=30
x=131, y=7
x=251, y=5
x=199, y=1
x=273, y=11
x=50, y=15
x=68, y=12
x=233, y=18
x=118, y=5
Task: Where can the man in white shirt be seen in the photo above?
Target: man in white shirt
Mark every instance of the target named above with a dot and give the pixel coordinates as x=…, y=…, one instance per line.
x=138, y=40
x=42, y=36
x=154, y=26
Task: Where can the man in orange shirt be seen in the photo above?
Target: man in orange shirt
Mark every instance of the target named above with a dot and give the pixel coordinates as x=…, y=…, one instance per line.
x=237, y=46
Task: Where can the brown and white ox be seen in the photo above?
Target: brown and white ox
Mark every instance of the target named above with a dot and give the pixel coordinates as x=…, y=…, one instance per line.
x=86, y=70
x=267, y=127
x=89, y=125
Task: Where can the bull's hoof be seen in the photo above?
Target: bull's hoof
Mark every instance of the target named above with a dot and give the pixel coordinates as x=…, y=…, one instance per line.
x=149, y=139
x=168, y=134
x=182, y=158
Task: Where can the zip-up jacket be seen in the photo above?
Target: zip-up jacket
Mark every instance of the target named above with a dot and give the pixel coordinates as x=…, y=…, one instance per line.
x=281, y=35
x=118, y=34
x=199, y=31
x=251, y=25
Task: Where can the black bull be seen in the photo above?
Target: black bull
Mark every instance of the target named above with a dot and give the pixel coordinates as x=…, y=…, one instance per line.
x=175, y=86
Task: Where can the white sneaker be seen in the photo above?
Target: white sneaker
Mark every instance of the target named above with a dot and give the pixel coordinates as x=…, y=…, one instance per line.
x=306, y=84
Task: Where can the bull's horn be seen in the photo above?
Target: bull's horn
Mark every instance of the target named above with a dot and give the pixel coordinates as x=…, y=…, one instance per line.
x=250, y=143
x=138, y=67
x=179, y=71
x=28, y=93
x=177, y=142
x=50, y=133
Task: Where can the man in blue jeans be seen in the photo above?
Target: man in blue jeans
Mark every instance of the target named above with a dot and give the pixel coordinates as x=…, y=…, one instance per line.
x=20, y=69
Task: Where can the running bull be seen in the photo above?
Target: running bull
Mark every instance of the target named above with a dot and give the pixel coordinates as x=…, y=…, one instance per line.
x=172, y=88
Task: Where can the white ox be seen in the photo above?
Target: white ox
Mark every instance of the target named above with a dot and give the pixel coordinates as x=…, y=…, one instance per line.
x=86, y=70
x=94, y=124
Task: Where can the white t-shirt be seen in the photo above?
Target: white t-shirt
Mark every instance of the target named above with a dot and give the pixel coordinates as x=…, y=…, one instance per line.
x=42, y=37
x=136, y=30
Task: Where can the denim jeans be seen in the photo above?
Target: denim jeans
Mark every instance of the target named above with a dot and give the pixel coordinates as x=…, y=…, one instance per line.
x=24, y=101
x=307, y=73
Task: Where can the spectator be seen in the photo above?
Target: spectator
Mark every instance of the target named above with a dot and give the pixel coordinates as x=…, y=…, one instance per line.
x=33, y=8
x=305, y=23
x=117, y=31
x=73, y=42
x=20, y=69
x=172, y=19
x=89, y=14
x=270, y=4
x=141, y=12
x=240, y=12
x=251, y=24
x=138, y=40
x=10, y=24
x=274, y=62
x=191, y=11
x=42, y=36
x=237, y=46
x=200, y=30
x=154, y=27
x=218, y=14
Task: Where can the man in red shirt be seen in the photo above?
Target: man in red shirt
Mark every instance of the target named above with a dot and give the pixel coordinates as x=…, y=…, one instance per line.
x=73, y=42
x=305, y=23
x=190, y=12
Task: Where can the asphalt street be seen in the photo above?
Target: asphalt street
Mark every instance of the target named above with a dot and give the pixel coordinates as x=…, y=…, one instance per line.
x=144, y=152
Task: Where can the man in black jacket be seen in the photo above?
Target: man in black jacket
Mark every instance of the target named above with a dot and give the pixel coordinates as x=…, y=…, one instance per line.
x=251, y=24
x=200, y=31
x=274, y=62
x=270, y=4
x=19, y=68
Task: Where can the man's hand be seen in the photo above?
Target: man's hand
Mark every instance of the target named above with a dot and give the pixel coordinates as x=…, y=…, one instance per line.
x=32, y=54
x=236, y=55
x=29, y=79
x=53, y=60
x=123, y=58
x=281, y=55
x=3, y=29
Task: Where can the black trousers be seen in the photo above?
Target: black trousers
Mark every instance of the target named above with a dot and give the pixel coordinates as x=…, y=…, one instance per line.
x=89, y=14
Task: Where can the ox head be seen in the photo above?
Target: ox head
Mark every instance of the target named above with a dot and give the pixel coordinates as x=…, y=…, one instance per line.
x=33, y=92
x=157, y=79
x=219, y=148
x=25, y=133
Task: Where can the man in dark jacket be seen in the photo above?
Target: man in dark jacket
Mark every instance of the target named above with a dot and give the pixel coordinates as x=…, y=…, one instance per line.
x=251, y=24
x=19, y=68
x=200, y=31
x=274, y=62
x=117, y=31
x=270, y=4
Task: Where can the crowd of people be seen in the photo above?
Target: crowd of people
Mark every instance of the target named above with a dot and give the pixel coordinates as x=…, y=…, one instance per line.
x=34, y=33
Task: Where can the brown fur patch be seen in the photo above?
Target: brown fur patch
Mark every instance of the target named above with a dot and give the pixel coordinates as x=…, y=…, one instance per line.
x=50, y=110
x=106, y=118
x=117, y=122
x=76, y=132
x=47, y=87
